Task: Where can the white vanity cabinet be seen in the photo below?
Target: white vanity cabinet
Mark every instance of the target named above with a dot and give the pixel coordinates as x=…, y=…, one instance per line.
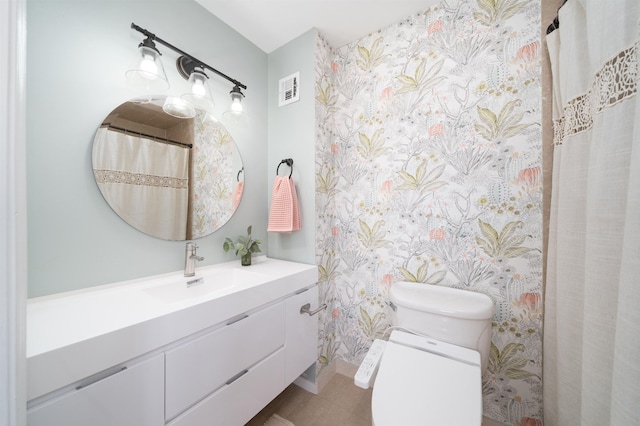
x=209, y=355
x=130, y=395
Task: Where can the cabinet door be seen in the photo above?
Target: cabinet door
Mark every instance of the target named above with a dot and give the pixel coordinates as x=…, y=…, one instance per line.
x=301, y=345
x=133, y=396
x=238, y=401
x=197, y=368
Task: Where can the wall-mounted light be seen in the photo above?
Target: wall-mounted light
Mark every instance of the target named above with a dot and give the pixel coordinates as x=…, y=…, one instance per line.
x=199, y=94
x=149, y=75
x=236, y=113
x=147, y=71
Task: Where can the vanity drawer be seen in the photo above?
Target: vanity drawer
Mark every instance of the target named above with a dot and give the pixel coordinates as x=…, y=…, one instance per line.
x=237, y=402
x=131, y=397
x=197, y=368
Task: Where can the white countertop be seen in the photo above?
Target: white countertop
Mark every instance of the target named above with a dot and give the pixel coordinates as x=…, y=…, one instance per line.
x=76, y=334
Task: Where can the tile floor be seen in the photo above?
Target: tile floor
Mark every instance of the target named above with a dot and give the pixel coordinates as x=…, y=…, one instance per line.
x=340, y=403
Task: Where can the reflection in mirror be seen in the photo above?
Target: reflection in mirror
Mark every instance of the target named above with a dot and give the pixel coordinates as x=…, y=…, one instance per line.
x=172, y=178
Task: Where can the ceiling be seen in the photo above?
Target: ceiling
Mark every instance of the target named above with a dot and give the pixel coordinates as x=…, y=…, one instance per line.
x=270, y=24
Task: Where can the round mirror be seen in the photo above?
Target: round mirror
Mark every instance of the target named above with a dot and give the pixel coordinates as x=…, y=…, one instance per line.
x=169, y=177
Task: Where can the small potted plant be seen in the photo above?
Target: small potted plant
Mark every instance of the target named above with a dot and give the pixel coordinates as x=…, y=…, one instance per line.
x=244, y=246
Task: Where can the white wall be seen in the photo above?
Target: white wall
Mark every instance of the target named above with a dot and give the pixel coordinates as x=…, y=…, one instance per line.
x=291, y=135
x=77, y=55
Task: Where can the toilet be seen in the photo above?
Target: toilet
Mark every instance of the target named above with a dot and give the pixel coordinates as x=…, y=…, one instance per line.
x=429, y=372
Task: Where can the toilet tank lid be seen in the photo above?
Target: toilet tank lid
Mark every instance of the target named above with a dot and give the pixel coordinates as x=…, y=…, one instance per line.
x=442, y=300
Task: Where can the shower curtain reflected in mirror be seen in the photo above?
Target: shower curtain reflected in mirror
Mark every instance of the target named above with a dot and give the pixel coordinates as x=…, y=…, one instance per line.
x=592, y=298
x=146, y=182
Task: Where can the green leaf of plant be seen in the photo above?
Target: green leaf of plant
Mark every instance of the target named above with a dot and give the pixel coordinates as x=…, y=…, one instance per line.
x=409, y=84
x=489, y=232
x=365, y=319
x=419, y=73
x=507, y=110
x=433, y=186
x=435, y=173
x=516, y=251
x=433, y=71
x=519, y=374
x=489, y=118
x=421, y=273
x=494, y=359
x=408, y=178
x=364, y=53
x=514, y=130
x=510, y=350
x=509, y=12
x=436, y=278
x=487, y=5
x=485, y=246
x=432, y=82
x=508, y=230
x=514, y=364
x=482, y=18
x=484, y=131
x=408, y=275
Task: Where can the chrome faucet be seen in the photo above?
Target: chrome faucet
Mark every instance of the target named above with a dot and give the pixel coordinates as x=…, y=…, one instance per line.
x=190, y=259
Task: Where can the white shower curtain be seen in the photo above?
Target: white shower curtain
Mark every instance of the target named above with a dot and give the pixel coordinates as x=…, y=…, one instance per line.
x=592, y=298
x=144, y=181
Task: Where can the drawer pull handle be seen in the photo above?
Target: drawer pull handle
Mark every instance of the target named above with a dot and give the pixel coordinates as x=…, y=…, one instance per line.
x=233, y=321
x=306, y=309
x=100, y=377
x=237, y=376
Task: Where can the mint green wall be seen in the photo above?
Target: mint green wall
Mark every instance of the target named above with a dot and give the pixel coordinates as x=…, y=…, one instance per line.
x=78, y=52
x=291, y=135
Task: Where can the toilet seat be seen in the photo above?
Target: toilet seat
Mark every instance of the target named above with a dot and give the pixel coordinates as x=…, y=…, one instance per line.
x=422, y=381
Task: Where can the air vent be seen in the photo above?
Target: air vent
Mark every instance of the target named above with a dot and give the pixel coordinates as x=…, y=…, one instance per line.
x=289, y=89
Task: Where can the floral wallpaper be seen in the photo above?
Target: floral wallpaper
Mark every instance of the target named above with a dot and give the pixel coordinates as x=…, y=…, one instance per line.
x=213, y=170
x=428, y=169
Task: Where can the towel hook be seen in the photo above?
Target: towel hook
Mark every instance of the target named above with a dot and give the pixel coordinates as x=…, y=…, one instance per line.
x=238, y=175
x=288, y=162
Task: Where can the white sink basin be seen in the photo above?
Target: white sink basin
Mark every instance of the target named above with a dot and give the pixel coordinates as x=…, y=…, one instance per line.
x=202, y=285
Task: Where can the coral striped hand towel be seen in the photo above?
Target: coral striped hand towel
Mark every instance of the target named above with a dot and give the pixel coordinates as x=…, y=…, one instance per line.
x=237, y=195
x=285, y=214
x=296, y=225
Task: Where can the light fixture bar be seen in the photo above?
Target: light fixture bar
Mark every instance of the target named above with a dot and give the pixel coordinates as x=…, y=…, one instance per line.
x=183, y=53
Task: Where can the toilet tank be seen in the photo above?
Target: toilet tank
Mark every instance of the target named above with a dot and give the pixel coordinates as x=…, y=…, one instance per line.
x=460, y=317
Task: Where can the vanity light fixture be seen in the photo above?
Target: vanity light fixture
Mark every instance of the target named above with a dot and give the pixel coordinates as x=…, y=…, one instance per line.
x=192, y=70
x=147, y=72
x=235, y=113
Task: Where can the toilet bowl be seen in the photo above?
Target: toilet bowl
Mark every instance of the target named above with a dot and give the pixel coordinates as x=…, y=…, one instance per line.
x=431, y=373
x=423, y=381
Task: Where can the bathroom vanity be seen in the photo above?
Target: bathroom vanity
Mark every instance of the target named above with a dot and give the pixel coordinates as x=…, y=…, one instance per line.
x=205, y=350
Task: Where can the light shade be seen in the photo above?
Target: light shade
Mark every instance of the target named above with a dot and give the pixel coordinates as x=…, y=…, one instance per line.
x=236, y=114
x=178, y=107
x=199, y=94
x=147, y=73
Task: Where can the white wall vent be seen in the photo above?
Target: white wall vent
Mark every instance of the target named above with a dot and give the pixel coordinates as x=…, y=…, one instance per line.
x=289, y=89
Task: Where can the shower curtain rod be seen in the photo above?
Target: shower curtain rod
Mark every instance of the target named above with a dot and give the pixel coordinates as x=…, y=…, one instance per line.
x=152, y=137
x=556, y=23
